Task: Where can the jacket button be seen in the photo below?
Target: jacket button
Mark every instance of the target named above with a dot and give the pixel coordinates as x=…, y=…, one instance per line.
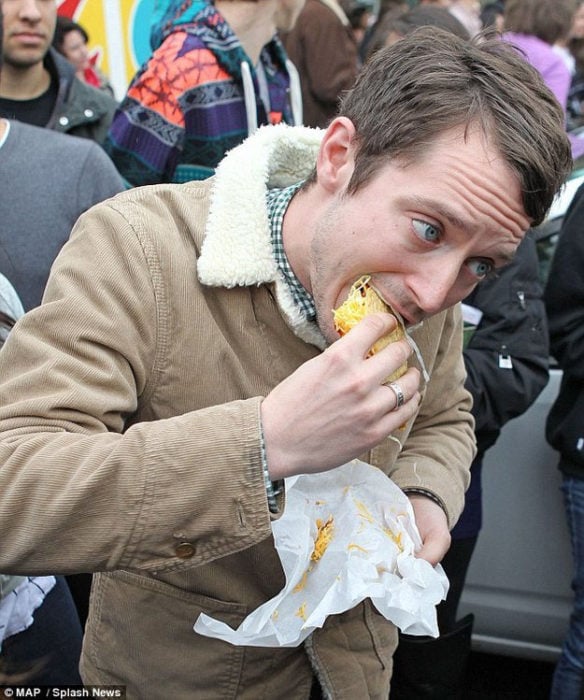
x=184, y=550
x=88, y=113
x=63, y=121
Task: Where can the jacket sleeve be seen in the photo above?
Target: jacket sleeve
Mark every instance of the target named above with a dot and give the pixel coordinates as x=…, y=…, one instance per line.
x=440, y=447
x=87, y=482
x=564, y=294
x=507, y=355
x=146, y=136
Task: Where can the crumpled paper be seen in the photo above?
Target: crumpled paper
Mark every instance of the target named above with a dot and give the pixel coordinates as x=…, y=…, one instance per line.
x=370, y=555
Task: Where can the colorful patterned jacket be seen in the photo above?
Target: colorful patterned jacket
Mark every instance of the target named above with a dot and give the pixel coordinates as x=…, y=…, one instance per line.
x=197, y=97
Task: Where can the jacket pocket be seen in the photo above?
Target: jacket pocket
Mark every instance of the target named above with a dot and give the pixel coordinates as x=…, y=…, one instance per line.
x=140, y=634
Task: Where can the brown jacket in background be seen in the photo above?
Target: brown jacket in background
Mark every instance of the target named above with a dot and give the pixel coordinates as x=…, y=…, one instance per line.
x=323, y=49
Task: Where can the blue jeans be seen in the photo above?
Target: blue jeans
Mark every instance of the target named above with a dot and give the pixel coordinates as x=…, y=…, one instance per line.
x=568, y=681
x=47, y=652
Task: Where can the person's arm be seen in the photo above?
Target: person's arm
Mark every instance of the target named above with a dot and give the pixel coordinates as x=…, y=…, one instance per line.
x=335, y=408
x=440, y=447
x=146, y=136
x=507, y=356
x=433, y=467
x=95, y=473
x=564, y=293
x=85, y=484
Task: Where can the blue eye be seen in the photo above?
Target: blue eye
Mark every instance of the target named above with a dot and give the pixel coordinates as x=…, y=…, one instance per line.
x=425, y=231
x=480, y=268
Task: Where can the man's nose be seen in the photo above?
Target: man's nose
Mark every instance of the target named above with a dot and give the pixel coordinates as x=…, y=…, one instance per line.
x=29, y=9
x=437, y=287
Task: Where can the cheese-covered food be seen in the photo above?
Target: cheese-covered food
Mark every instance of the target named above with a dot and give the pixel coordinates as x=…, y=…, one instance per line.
x=364, y=300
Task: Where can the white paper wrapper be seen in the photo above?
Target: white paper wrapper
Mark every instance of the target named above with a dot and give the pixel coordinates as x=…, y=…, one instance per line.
x=370, y=555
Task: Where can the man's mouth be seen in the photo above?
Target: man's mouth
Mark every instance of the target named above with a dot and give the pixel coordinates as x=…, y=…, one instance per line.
x=29, y=37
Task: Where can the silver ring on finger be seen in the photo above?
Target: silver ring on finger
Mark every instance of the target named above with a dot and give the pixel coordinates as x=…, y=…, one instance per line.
x=400, y=399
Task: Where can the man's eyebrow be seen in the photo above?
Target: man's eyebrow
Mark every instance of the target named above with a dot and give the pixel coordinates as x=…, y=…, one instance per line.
x=442, y=211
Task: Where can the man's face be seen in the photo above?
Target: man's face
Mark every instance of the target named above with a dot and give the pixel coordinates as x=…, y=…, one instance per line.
x=287, y=14
x=29, y=26
x=427, y=232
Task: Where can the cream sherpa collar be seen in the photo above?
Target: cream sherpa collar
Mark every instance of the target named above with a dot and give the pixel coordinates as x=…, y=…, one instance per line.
x=237, y=248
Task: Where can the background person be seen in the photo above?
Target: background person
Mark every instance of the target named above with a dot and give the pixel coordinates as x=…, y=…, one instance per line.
x=38, y=86
x=361, y=14
x=156, y=469
x=506, y=357
x=493, y=15
x=323, y=47
x=564, y=298
x=71, y=40
x=468, y=13
x=217, y=72
x=534, y=27
x=392, y=7
x=52, y=179
x=392, y=27
x=575, y=50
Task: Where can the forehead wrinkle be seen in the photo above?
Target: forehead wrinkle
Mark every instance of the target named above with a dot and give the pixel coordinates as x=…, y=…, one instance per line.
x=444, y=212
x=504, y=212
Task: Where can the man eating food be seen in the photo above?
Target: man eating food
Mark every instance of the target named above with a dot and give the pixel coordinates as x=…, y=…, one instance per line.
x=185, y=361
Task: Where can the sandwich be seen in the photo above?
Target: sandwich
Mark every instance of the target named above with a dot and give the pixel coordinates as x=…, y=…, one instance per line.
x=364, y=300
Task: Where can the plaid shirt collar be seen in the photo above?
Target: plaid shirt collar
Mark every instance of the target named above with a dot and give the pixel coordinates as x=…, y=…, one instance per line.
x=277, y=202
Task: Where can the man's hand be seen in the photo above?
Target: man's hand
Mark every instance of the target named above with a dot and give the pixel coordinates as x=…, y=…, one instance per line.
x=335, y=406
x=433, y=527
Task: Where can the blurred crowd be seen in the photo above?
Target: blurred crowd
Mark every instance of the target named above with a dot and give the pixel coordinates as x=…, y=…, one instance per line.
x=216, y=74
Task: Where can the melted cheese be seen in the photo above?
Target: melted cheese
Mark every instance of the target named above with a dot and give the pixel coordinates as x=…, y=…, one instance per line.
x=323, y=537
x=364, y=300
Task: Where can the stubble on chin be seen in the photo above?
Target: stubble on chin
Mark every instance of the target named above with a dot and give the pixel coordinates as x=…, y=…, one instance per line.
x=326, y=269
x=23, y=63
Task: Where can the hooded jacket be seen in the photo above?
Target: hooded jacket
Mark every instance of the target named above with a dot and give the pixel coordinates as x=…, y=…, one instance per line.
x=564, y=297
x=196, y=97
x=133, y=396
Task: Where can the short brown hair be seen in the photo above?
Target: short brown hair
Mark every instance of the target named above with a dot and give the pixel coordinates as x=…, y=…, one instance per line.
x=432, y=81
x=548, y=20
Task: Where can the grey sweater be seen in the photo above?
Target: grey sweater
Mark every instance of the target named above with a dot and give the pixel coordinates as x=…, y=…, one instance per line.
x=47, y=181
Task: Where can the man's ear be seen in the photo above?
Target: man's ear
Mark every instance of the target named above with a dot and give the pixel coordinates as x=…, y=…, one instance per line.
x=335, y=164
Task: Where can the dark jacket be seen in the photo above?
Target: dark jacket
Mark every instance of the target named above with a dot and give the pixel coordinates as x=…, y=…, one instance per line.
x=506, y=360
x=80, y=109
x=564, y=298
